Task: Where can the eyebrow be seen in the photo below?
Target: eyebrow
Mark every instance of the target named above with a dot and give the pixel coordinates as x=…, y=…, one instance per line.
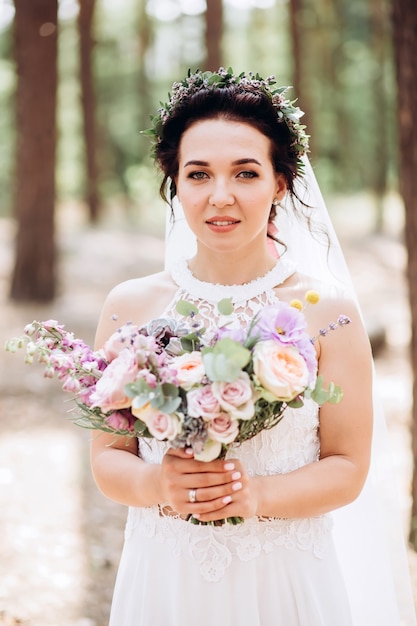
x=237, y=162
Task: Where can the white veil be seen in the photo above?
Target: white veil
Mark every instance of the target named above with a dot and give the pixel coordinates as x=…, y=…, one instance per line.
x=368, y=533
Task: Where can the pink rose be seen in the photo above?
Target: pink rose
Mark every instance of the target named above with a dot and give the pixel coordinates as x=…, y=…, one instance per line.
x=129, y=336
x=202, y=403
x=121, y=421
x=109, y=393
x=280, y=370
x=237, y=398
x=190, y=369
x=161, y=425
x=119, y=340
x=223, y=428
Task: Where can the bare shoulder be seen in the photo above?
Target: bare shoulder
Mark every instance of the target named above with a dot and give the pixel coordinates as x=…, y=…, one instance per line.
x=137, y=300
x=299, y=284
x=334, y=302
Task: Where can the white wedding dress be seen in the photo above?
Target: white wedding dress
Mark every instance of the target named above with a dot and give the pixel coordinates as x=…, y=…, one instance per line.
x=264, y=572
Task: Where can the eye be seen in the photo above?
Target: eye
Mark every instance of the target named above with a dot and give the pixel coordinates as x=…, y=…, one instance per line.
x=197, y=175
x=247, y=174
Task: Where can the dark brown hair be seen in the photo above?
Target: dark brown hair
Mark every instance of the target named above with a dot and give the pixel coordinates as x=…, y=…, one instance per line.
x=236, y=103
x=230, y=103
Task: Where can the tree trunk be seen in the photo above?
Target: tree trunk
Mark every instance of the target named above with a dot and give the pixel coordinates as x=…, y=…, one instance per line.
x=378, y=17
x=88, y=103
x=405, y=41
x=144, y=87
x=295, y=7
x=300, y=79
x=35, y=48
x=214, y=34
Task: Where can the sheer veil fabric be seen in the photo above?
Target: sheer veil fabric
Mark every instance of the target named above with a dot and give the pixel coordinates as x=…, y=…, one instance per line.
x=368, y=533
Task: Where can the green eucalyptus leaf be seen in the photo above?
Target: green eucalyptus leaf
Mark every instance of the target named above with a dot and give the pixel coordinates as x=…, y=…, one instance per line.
x=141, y=400
x=219, y=368
x=225, y=360
x=141, y=429
x=166, y=398
x=225, y=306
x=186, y=308
x=190, y=342
x=137, y=388
x=332, y=394
x=169, y=390
x=297, y=403
x=336, y=396
x=168, y=404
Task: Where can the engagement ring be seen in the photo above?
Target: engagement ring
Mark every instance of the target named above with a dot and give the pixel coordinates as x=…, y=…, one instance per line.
x=192, y=495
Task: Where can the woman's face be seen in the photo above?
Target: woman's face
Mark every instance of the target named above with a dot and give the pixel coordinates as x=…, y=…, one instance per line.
x=226, y=184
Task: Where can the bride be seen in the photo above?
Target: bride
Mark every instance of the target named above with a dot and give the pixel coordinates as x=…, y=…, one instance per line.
x=231, y=150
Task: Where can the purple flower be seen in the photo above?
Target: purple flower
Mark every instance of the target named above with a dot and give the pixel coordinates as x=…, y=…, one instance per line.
x=283, y=323
x=287, y=325
x=237, y=334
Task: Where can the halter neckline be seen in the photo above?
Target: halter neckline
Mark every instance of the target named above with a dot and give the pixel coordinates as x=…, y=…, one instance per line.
x=185, y=279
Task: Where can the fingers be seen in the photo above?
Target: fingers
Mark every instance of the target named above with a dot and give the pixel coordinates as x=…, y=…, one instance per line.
x=209, y=491
x=181, y=453
x=240, y=501
x=180, y=473
x=209, y=501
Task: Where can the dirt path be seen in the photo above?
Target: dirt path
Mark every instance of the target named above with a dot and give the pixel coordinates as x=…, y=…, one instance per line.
x=60, y=538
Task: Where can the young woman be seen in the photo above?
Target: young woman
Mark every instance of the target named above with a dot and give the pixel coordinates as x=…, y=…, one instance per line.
x=230, y=150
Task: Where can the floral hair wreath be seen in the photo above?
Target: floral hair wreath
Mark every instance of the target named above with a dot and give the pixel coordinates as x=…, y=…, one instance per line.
x=285, y=109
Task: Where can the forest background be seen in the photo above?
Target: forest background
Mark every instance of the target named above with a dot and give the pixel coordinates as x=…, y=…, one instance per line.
x=79, y=211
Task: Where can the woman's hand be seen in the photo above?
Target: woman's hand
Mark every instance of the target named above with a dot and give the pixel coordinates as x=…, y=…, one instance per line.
x=209, y=491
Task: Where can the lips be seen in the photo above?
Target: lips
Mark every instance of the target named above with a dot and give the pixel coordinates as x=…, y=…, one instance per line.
x=222, y=224
x=222, y=221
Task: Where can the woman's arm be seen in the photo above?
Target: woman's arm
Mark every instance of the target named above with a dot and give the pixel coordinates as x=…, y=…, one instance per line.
x=117, y=469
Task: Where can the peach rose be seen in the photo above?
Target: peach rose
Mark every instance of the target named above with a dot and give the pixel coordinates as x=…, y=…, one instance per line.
x=109, y=393
x=237, y=397
x=162, y=426
x=190, y=369
x=280, y=369
x=223, y=428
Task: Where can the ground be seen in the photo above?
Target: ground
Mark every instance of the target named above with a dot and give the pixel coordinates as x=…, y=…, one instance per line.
x=61, y=539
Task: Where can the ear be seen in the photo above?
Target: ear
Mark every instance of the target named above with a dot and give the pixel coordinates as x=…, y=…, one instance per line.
x=281, y=187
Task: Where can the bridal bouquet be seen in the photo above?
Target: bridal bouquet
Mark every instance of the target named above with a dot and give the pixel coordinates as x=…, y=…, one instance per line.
x=164, y=381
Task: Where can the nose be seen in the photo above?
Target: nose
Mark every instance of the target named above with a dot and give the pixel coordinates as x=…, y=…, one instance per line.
x=221, y=195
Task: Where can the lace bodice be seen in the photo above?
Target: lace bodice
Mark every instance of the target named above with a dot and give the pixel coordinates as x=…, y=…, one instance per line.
x=291, y=444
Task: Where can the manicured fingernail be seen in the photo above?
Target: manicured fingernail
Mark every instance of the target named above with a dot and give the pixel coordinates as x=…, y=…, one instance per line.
x=236, y=475
x=196, y=515
x=227, y=499
x=189, y=451
x=229, y=466
x=236, y=486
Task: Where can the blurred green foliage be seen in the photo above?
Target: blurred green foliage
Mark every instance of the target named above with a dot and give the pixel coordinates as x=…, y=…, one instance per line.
x=341, y=71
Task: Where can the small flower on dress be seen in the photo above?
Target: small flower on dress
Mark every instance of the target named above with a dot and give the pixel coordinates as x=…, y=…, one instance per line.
x=212, y=571
x=248, y=548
